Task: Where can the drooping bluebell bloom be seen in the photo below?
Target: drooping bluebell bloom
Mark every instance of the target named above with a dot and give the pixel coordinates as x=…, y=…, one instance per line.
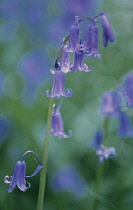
x=65, y=61
x=73, y=37
x=127, y=89
x=97, y=139
x=125, y=128
x=78, y=62
x=111, y=104
x=90, y=45
x=108, y=33
x=57, y=125
x=68, y=179
x=105, y=152
x=58, y=88
x=19, y=174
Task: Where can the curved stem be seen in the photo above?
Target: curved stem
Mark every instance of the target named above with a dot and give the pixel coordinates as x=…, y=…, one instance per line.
x=44, y=159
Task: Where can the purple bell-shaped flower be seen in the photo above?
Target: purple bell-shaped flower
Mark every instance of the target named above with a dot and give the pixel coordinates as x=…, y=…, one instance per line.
x=58, y=88
x=125, y=128
x=73, y=37
x=57, y=125
x=65, y=61
x=19, y=174
x=90, y=44
x=78, y=62
x=127, y=89
x=111, y=103
x=108, y=33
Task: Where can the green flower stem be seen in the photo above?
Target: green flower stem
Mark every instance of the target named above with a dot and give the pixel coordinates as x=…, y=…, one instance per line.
x=99, y=173
x=45, y=158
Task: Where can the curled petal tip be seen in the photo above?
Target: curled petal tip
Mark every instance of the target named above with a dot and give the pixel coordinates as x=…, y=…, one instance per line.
x=6, y=181
x=47, y=94
x=68, y=93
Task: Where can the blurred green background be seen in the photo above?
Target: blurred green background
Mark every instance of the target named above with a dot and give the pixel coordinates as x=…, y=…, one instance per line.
x=30, y=37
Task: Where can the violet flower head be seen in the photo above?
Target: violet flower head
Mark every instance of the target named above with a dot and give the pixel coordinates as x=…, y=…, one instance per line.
x=108, y=33
x=58, y=88
x=73, y=37
x=19, y=174
x=105, y=153
x=68, y=179
x=91, y=41
x=125, y=128
x=18, y=177
x=111, y=103
x=78, y=62
x=97, y=139
x=127, y=90
x=57, y=125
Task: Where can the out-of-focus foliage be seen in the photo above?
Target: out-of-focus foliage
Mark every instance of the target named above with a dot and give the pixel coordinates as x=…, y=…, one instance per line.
x=30, y=37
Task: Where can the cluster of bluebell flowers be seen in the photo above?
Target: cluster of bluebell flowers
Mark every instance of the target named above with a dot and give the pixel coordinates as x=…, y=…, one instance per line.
x=19, y=174
x=103, y=152
x=72, y=44
x=114, y=104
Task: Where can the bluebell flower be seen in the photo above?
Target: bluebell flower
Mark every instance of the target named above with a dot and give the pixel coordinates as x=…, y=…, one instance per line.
x=105, y=152
x=65, y=61
x=57, y=125
x=58, y=88
x=127, y=89
x=68, y=179
x=90, y=44
x=87, y=39
x=18, y=177
x=78, y=62
x=97, y=139
x=111, y=104
x=19, y=174
x=125, y=128
x=73, y=37
x=108, y=33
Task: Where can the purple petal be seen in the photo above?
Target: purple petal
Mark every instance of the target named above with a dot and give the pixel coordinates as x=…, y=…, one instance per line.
x=107, y=29
x=125, y=128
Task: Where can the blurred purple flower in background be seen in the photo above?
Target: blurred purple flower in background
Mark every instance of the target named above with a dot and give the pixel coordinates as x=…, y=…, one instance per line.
x=79, y=8
x=97, y=139
x=127, y=89
x=4, y=128
x=34, y=69
x=125, y=128
x=68, y=179
x=111, y=104
x=105, y=153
